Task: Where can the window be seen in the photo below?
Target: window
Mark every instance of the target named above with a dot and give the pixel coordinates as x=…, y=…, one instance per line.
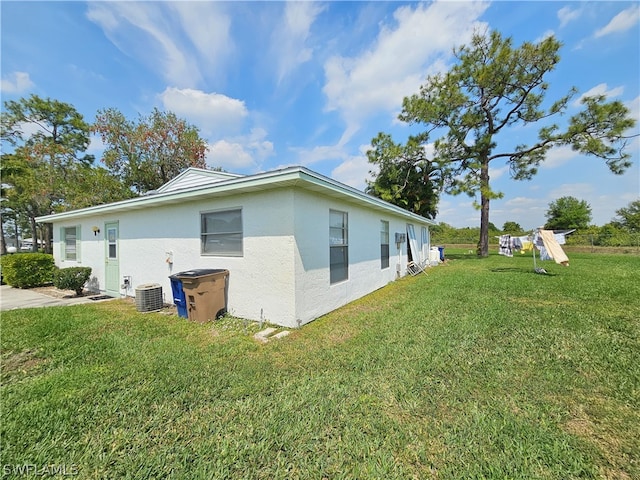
x=338, y=246
x=221, y=233
x=112, y=243
x=70, y=237
x=384, y=244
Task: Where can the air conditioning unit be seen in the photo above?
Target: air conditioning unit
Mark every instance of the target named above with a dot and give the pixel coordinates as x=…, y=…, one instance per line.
x=149, y=297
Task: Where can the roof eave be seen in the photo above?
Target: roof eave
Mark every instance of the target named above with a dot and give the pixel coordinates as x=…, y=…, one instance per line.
x=289, y=176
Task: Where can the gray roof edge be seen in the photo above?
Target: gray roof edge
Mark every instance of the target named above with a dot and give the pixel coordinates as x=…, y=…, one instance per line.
x=295, y=172
x=354, y=192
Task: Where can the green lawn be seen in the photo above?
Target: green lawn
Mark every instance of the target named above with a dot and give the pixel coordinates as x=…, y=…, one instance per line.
x=480, y=369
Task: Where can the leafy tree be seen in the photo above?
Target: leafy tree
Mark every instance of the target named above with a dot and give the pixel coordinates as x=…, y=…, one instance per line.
x=568, y=212
x=629, y=217
x=94, y=185
x=613, y=235
x=495, y=87
x=47, y=138
x=405, y=177
x=511, y=227
x=24, y=191
x=148, y=153
x=442, y=228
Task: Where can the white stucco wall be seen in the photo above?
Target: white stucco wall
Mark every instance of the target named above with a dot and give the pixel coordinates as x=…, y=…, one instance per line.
x=315, y=295
x=260, y=282
x=283, y=275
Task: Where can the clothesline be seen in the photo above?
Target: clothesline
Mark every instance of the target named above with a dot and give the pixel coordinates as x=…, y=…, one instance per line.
x=546, y=241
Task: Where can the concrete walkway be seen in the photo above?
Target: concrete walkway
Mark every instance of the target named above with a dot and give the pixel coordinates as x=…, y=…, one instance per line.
x=14, y=298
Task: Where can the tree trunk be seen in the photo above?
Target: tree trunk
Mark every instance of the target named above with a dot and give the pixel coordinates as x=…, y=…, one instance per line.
x=48, y=238
x=34, y=234
x=3, y=243
x=483, y=243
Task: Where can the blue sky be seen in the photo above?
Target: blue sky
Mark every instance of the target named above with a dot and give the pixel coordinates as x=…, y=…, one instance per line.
x=273, y=84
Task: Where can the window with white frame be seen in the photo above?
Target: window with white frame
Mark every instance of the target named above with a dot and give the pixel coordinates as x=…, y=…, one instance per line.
x=70, y=239
x=338, y=246
x=221, y=233
x=384, y=244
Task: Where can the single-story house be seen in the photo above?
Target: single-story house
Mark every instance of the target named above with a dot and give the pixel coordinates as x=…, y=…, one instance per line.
x=297, y=244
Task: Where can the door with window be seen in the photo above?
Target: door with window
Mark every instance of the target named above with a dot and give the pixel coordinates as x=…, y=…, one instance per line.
x=413, y=253
x=112, y=255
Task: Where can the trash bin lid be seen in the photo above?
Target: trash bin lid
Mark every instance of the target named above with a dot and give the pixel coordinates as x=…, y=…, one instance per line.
x=198, y=272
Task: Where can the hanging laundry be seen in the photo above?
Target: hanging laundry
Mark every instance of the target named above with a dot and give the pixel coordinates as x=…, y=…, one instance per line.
x=560, y=238
x=544, y=254
x=504, y=242
x=516, y=244
x=553, y=248
x=527, y=244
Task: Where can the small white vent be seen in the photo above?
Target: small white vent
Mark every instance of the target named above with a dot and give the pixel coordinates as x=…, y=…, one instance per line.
x=149, y=297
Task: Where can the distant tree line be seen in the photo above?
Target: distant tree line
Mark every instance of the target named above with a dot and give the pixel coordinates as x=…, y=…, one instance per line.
x=565, y=213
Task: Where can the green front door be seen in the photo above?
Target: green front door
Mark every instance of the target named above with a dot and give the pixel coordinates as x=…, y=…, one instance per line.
x=112, y=254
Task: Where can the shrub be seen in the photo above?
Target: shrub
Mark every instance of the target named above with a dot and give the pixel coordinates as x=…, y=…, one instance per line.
x=72, y=278
x=26, y=270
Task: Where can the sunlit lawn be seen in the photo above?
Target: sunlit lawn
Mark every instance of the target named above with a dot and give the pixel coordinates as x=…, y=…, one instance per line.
x=480, y=369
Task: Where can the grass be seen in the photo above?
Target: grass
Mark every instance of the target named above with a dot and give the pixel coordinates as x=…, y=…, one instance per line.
x=480, y=369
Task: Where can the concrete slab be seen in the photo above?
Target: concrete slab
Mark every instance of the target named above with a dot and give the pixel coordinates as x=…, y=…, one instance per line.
x=279, y=335
x=263, y=335
x=16, y=298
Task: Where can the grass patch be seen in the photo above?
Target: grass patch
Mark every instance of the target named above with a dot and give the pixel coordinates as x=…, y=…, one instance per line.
x=481, y=369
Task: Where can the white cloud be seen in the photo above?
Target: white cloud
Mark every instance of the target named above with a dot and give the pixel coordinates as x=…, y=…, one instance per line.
x=558, y=156
x=215, y=114
x=289, y=39
x=29, y=129
x=221, y=120
x=577, y=190
x=16, y=82
x=354, y=170
x=319, y=153
x=400, y=58
x=257, y=143
x=621, y=22
x=96, y=145
x=634, y=109
x=600, y=89
x=208, y=29
x=458, y=211
x=497, y=172
x=241, y=154
x=567, y=15
x=230, y=156
x=544, y=36
x=147, y=32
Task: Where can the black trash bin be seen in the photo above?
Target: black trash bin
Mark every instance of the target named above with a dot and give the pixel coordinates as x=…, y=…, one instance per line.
x=205, y=293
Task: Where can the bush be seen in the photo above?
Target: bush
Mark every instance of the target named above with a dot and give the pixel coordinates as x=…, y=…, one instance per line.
x=26, y=270
x=72, y=278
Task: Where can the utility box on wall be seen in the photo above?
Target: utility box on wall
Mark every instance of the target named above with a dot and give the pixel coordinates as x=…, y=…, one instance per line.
x=401, y=237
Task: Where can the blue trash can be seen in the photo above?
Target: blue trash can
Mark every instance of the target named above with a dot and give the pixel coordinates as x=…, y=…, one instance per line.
x=441, y=250
x=179, y=298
